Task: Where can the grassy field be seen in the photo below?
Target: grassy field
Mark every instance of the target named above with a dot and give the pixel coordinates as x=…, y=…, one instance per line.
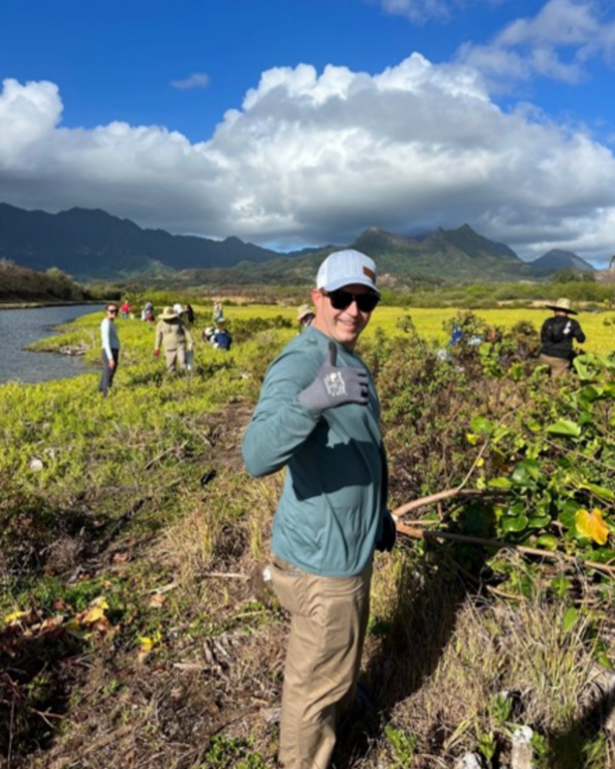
x=599, y=328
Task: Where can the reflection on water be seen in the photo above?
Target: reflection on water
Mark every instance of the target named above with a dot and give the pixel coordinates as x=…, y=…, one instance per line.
x=19, y=328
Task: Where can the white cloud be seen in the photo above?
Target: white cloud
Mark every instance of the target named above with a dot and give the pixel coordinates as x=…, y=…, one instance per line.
x=557, y=44
x=418, y=11
x=28, y=114
x=195, y=80
x=316, y=158
x=422, y=11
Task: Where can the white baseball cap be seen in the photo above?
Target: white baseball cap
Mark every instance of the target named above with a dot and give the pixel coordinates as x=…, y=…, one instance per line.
x=343, y=268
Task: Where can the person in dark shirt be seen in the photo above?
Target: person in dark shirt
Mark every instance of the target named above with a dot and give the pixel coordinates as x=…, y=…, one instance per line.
x=557, y=335
x=218, y=337
x=222, y=339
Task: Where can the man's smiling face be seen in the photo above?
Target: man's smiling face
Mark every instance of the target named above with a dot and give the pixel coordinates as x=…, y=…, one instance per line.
x=344, y=326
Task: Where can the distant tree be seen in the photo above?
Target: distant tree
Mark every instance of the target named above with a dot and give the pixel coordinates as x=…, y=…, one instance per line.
x=565, y=275
x=64, y=286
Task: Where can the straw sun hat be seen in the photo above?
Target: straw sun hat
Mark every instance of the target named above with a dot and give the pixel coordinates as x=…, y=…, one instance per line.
x=563, y=305
x=304, y=310
x=168, y=314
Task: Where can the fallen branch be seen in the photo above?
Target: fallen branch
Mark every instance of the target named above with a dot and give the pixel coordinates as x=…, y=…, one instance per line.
x=416, y=503
x=403, y=509
x=224, y=575
x=399, y=511
x=552, y=555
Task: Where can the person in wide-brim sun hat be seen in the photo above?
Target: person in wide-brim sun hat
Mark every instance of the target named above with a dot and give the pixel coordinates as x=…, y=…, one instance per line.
x=557, y=335
x=305, y=315
x=562, y=305
x=168, y=313
x=174, y=338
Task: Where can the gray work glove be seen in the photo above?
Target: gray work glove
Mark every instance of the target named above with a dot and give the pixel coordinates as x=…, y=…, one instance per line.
x=335, y=386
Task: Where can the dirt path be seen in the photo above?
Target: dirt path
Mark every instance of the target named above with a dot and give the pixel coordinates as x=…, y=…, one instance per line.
x=226, y=431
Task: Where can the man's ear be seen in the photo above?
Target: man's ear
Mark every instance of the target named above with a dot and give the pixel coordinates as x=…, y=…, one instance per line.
x=317, y=297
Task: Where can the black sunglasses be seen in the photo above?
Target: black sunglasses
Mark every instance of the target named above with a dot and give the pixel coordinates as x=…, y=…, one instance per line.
x=341, y=300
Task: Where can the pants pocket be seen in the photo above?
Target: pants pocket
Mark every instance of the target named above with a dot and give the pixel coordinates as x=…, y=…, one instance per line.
x=289, y=587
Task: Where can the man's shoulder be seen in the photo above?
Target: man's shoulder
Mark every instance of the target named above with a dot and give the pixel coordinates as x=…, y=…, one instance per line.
x=303, y=353
x=306, y=343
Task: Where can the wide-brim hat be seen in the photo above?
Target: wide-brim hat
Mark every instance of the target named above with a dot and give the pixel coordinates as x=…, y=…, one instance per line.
x=168, y=313
x=347, y=268
x=563, y=305
x=304, y=310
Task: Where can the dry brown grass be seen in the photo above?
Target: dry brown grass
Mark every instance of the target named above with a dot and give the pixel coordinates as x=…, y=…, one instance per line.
x=437, y=656
x=450, y=653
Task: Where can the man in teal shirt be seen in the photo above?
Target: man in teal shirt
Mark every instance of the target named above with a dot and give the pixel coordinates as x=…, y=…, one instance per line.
x=318, y=415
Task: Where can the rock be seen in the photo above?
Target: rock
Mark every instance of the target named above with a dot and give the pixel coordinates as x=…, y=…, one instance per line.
x=469, y=761
x=36, y=464
x=73, y=349
x=522, y=748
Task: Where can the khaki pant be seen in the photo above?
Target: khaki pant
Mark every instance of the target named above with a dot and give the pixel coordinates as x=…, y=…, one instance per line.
x=328, y=622
x=557, y=366
x=178, y=355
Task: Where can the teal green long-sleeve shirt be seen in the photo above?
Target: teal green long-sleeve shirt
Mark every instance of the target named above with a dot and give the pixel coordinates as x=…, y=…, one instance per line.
x=334, y=498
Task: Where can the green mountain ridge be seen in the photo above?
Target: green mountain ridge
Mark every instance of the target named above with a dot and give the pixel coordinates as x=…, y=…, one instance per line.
x=92, y=244
x=558, y=259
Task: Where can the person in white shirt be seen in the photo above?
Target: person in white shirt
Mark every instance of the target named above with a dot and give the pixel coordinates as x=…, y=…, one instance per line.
x=110, y=348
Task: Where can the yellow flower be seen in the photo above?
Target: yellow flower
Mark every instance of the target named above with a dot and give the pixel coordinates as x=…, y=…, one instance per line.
x=592, y=525
x=15, y=616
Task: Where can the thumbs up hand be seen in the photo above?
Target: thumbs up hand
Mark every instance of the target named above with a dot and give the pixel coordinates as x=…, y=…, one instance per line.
x=335, y=386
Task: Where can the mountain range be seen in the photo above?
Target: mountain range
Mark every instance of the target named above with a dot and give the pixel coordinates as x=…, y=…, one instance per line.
x=92, y=244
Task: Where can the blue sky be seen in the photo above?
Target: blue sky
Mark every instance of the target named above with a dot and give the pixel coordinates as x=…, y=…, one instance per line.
x=302, y=122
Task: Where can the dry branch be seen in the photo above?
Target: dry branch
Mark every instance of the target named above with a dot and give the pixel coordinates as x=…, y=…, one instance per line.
x=441, y=495
x=500, y=545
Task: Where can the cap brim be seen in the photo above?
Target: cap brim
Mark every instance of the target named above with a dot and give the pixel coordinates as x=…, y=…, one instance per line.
x=358, y=281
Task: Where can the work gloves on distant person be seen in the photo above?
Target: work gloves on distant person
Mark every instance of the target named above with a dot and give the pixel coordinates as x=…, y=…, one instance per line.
x=389, y=533
x=335, y=386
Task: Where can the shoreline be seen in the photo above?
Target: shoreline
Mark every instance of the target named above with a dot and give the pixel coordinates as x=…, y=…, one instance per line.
x=36, y=305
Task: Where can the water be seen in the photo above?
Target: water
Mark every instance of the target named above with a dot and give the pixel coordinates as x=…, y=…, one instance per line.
x=19, y=328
